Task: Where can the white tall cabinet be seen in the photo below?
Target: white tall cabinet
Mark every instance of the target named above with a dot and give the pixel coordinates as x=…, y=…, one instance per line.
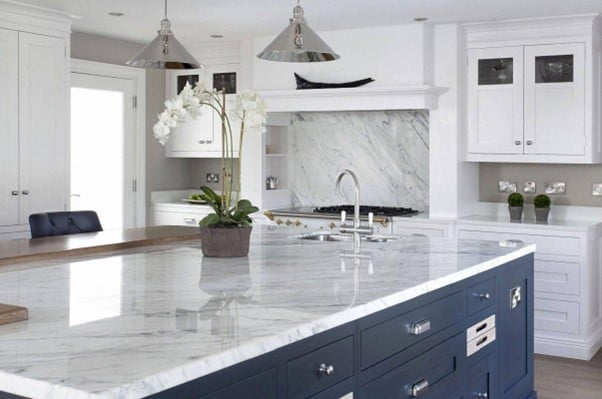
x=34, y=72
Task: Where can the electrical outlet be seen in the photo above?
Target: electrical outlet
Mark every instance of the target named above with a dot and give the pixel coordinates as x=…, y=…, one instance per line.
x=555, y=188
x=212, y=178
x=597, y=189
x=506, y=186
x=529, y=187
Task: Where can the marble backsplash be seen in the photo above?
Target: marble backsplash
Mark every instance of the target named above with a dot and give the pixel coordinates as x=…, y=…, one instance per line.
x=387, y=150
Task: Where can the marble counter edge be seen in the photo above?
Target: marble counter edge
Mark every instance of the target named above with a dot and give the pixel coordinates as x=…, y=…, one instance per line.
x=192, y=370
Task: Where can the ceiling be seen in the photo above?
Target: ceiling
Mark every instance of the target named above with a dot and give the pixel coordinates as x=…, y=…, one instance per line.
x=195, y=20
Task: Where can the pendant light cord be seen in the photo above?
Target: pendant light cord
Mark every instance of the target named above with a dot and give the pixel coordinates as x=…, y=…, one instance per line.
x=165, y=9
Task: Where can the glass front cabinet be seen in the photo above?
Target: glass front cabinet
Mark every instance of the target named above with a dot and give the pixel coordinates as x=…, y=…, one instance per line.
x=534, y=103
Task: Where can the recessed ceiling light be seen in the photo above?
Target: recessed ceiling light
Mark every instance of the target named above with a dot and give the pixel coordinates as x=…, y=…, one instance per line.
x=420, y=19
x=116, y=14
x=216, y=36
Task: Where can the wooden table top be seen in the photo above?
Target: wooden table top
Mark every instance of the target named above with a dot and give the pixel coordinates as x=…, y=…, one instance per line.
x=27, y=250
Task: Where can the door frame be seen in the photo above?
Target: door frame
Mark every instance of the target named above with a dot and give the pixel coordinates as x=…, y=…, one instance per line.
x=138, y=78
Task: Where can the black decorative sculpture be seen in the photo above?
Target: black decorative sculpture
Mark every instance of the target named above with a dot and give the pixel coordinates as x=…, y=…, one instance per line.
x=306, y=84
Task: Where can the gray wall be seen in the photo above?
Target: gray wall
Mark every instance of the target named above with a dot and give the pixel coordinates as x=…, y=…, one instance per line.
x=161, y=173
x=578, y=179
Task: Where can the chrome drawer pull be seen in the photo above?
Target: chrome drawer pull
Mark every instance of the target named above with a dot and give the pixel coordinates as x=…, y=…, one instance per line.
x=420, y=327
x=482, y=296
x=326, y=370
x=418, y=388
x=189, y=220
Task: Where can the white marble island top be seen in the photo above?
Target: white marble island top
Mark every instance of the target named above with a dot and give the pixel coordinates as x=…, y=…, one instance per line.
x=134, y=324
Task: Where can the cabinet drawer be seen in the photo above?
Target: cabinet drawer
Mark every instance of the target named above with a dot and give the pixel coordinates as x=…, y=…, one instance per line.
x=547, y=244
x=311, y=373
x=480, y=296
x=439, y=369
x=262, y=385
x=557, y=277
x=394, y=335
x=178, y=219
x=556, y=316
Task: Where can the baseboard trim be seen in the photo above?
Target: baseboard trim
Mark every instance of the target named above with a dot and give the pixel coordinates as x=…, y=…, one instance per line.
x=568, y=349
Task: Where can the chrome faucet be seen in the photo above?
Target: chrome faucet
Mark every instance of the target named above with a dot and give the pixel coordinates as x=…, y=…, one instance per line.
x=357, y=228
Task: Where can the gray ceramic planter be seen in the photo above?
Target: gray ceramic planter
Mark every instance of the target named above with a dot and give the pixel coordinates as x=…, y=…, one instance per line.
x=541, y=215
x=225, y=242
x=516, y=213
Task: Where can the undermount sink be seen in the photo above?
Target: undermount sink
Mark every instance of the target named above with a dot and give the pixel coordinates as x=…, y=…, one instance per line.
x=327, y=236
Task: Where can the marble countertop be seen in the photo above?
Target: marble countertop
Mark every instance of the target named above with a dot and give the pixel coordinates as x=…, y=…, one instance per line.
x=132, y=324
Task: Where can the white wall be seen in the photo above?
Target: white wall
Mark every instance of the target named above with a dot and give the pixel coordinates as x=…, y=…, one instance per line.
x=391, y=55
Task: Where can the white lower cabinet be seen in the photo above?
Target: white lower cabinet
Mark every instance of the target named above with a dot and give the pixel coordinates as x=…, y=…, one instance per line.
x=179, y=218
x=568, y=314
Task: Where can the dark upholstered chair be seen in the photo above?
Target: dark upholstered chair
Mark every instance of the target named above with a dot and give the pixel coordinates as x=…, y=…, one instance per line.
x=62, y=223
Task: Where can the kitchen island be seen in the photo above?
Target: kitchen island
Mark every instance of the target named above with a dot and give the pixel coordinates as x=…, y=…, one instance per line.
x=296, y=318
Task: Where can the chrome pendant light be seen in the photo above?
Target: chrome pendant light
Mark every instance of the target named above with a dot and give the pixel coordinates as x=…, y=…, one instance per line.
x=298, y=43
x=164, y=52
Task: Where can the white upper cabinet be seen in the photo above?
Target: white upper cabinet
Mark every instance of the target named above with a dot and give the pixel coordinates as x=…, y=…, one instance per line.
x=202, y=137
x=533, y=91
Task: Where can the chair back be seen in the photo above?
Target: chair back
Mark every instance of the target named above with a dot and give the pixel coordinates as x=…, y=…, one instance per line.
x=63, y=223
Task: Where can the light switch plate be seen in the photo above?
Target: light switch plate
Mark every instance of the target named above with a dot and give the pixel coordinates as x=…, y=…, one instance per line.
x=555, y=188
x=506, y=186
x=529, y=187
x=597, y=189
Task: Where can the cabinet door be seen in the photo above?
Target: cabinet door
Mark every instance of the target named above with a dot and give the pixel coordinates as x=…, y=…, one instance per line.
x=555, y=99
x=9, y=127
x=201, y=137
x=43, y=131
x=495, y=100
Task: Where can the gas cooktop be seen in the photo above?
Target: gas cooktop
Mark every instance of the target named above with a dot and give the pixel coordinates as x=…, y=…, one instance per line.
x=365, y=209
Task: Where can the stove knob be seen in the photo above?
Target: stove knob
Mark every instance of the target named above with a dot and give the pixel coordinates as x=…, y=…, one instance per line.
x=288, y=222
x=297, y=223
x=332, y=225
x=279, y=222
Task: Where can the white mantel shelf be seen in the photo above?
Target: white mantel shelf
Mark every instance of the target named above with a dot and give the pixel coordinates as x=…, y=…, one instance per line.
x=353, y=99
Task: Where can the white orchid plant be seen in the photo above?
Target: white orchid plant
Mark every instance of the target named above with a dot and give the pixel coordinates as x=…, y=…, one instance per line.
x=251, y=111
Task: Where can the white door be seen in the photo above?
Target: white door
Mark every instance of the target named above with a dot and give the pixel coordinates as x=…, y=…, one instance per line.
x=103, y=148
x=42, y=124
x=9, y=128
x=555, y=99
x=495, y=100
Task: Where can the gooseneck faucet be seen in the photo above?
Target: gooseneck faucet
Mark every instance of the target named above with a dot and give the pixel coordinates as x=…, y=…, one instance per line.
x=357, y=228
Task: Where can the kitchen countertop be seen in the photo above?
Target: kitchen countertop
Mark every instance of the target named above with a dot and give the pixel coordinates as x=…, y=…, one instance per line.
x=132, y=324
x=27, y=249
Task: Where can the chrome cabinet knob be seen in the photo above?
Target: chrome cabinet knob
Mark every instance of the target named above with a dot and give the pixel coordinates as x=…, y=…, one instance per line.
x=14, y=193
x=25, y=192
x=529, y=142
x=482, y=296
x=517, y=142
x=326, y=369
x=480, y=395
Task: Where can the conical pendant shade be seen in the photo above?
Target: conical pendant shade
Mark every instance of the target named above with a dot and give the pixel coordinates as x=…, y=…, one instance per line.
x=298, y=43
x=164, y=52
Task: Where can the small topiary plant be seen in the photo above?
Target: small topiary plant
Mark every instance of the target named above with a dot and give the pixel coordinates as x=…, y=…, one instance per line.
x=542, y=201
x=516, y=199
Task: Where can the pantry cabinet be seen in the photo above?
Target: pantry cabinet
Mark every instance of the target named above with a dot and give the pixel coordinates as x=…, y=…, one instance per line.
x=533, y=99
x=201, y=137
x=34, y=67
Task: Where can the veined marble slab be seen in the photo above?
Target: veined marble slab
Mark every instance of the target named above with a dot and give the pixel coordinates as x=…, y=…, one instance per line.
x=388, y=150
x=134, y=324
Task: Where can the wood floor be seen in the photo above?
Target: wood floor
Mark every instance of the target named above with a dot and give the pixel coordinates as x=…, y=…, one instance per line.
x=559, y=378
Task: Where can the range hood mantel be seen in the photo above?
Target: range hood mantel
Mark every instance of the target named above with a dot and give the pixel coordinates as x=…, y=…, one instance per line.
x=353, y=99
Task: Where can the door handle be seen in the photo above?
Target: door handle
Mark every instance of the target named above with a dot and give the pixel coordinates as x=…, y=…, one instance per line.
x=14, y=193
x=25, y=192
